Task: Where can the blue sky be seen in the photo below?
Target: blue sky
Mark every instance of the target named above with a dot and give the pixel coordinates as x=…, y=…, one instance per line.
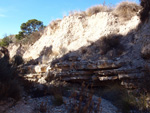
x=15, y=12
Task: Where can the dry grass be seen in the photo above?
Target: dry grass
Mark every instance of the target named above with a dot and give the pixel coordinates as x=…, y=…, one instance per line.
x=78, y=13
x=96, y=9
x=83, y=102
x=30, y=39
x=52, y=27
x=54, y=24
x=57, y=89
x=126, y=10
x=125, y=100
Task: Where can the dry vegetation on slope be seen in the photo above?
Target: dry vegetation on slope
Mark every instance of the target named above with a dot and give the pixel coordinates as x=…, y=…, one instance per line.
x=67, y=34
x=80, y=42
x=126, y=10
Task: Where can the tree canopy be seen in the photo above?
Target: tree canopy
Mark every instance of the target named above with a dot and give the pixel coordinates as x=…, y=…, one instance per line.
x=31, y=26
x=5, y=41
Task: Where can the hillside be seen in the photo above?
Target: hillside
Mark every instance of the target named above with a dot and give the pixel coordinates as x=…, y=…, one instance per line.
x=75, y=31
x=100, y=47
x=111, y=34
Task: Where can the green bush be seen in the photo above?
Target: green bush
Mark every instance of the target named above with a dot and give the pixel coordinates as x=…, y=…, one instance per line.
x=5, y=41
x=31, y=26
x=28, y=39
x=20, y=36
x=30, y=29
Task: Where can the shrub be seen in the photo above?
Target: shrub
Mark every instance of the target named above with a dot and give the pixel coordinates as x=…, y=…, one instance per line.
x=30, y=32
x=20, y=35
x=111, y=42
x=126, y=10
x=29, y=39
x=96, y=9
x=54, y=24
x=31, y=26
x=5, y=42
x=144, y=14
x=83, y=102
x=78, y=13
x=34, y=36
x=117, y=95
x=124, y=99
x=145, y=52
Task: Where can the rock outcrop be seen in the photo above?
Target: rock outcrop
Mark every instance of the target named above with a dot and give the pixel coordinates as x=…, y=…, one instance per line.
x=74, y=32
x=92, y=72
x=71, y=50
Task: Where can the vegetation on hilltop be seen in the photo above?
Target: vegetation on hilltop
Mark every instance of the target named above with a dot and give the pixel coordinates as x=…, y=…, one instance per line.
x=126, y=10
x=5, y=41
x=31, y=26
x=31, y=31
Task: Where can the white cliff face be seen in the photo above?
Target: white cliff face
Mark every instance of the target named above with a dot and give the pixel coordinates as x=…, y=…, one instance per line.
x=12, y=50
x=74, y=32
x=17, y=49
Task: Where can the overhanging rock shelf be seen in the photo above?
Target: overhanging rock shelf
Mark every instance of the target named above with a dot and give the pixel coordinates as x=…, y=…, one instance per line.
x=95, y=72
